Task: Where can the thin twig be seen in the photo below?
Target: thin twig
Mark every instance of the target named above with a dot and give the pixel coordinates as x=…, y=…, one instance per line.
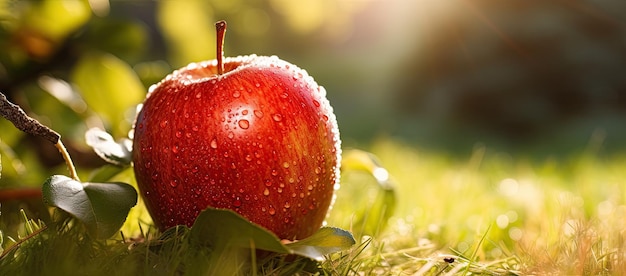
x=16, y=115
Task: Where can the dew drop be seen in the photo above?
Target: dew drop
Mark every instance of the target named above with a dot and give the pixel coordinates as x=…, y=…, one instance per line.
x=272, y=211
x=147, y=165
x=274, y=172
x=248, y=157
x=263, y=209
x=179, y=134
x=244, y=124
x=284, y=95
x=214, y=143
x=287, y=205
x=236, y=94
x=277, y=117
x=318, y=170
x=257, y=84
x=163, y=123
x=244, y=112
x=266, y=192
x=268, y=183
x=237, y=203
x=195, y=128
x=175, y=149
x=285, y=165
x=231, y=135
x=316, y=103
x=310, y=187
x=325, y=117
x=291, y=180
x=173, y=183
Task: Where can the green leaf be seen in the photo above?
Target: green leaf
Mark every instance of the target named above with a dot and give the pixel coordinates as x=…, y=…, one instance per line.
x=116, y=153
x=325, y=241
x=370, y=186
x=101, y=207
x=222, y=228
x=110, y=87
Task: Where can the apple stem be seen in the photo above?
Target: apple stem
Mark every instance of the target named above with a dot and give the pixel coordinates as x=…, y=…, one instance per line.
x=220, y=27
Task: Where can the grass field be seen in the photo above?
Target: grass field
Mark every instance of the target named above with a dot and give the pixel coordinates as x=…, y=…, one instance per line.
x=563, y=216
x=489, y=214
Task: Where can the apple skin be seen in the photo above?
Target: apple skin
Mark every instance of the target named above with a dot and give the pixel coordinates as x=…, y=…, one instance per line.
x=260, y=139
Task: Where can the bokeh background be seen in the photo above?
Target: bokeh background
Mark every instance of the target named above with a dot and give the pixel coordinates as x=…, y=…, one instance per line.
x=536, y=78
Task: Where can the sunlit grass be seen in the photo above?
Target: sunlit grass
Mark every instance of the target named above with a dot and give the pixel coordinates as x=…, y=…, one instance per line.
x=556, y=215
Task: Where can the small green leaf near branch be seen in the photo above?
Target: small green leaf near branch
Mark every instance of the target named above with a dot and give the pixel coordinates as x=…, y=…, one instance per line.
x=116, y=153
x=101, y=207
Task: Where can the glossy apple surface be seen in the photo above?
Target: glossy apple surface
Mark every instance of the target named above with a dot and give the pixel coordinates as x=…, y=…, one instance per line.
x=260, y=139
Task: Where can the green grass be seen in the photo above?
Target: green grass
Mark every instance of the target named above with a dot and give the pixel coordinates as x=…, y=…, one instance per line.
x=488, y=214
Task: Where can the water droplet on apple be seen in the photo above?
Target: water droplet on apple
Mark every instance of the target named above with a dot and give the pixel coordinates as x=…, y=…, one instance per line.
x=248, y=157
x=291, y=180
x=325, y=117
x=147, y=165
x=284, y=95
x=195, y=128
x=244, y=112
x=174, y=183
x=231, y=135
x=316, y=103
x=237, y=203
x=155, y=176
x=272, y=211
x=310, y=187
x=277, y=117
x=179, y=134
x=257, y=85
x=279, y=190
x=274, y=172
x=266, y=192
x=163, y=123
x=268, y=183
x=287, y=205
x=236, y=94
x=214, y=143
x=245, y=124
x=258, y=113
x=175, y=149
x=285, y=165
x=198, y=95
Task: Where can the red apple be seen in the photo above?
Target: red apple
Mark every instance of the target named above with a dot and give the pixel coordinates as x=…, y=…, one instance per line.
x=254, y=134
